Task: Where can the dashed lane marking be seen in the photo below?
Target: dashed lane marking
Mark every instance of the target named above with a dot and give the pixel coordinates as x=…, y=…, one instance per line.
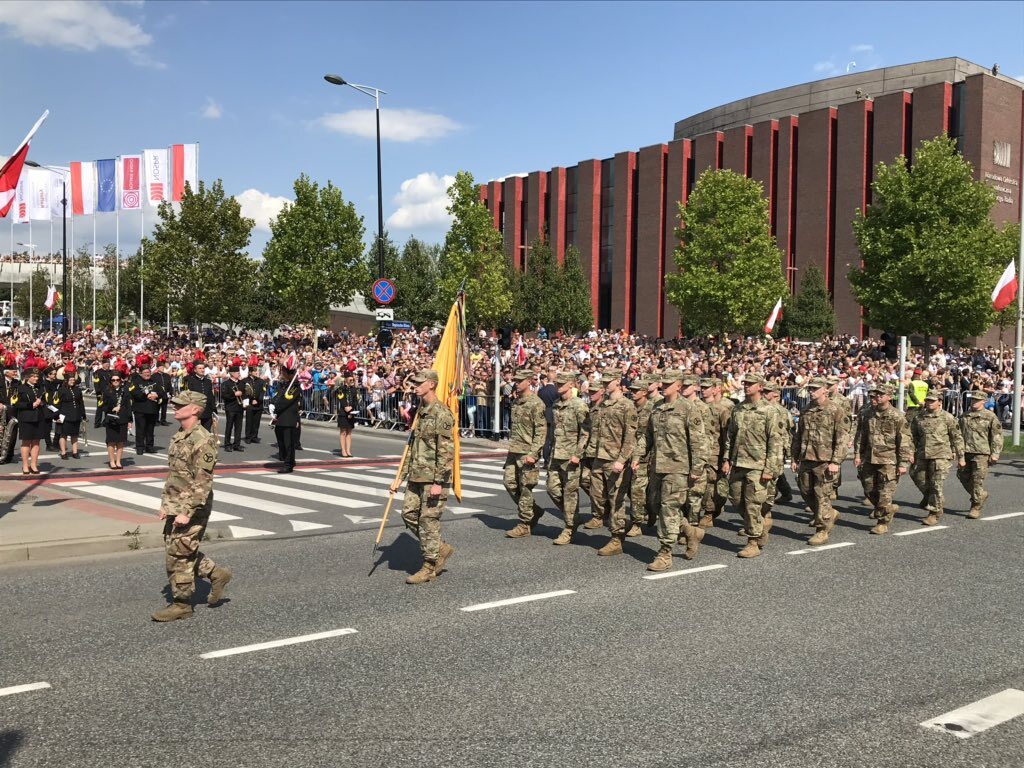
x=670, y=574
x=305, y=525
x=23, y=688
x=979, y=716
x=822, y=548
x=517, y=600
x=1002, y=517
x=922, y=530
x=277, y=643
x=240, y=532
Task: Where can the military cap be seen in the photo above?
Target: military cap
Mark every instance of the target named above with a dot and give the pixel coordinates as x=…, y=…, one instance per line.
x=427, y=374
x=771, y=386
x=671, y=375
x=832, y=380
x=187, y=397
x=881, y=389
x=566, y=377
x=611, y=374
x=708, y=383
x=977, y=394
x=525, y=374
x=753, y=378
x=817, y=383
x=638, y=385
x=934, y=394
x=690, y=380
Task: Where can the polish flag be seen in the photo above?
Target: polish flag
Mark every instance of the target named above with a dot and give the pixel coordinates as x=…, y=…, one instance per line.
x=1006, y=289
x=774, y=317
x=11, y=170
x=83, y=189
x=291, y=362
x=520, y=353
x=52, y=297
x=184, y=169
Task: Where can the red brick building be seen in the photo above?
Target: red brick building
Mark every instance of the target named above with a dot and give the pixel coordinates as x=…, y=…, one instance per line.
x=813, y=147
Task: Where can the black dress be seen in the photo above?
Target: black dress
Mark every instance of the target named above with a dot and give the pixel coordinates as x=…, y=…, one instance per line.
x=71, y=405
x=344, y=397
x=31, y=420
x=117, y=434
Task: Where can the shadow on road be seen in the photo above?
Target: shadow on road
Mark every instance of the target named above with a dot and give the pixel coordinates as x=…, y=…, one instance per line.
x=401, y=555
x=10, y=743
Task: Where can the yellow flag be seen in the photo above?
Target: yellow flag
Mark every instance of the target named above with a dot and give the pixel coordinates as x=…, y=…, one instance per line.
x=450, y=364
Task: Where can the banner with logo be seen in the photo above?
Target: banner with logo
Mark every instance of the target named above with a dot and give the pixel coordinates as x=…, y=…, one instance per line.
x=129, y=182
x=157, y=182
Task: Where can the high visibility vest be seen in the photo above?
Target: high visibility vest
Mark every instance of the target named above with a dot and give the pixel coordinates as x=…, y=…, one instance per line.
x=920, y=390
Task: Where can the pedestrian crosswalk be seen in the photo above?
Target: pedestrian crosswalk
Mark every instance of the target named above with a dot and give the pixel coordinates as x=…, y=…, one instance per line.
x=253, y=503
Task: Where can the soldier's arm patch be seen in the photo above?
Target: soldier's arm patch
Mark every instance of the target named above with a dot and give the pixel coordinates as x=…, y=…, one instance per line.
x=207, y=459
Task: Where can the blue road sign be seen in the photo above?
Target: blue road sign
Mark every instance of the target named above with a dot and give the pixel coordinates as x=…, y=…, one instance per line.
x=383, y=291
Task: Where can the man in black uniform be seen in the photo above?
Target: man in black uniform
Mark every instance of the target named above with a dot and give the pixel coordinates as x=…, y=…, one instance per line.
x=232, y=395
x=255, y=388
x=197, y=381
x=146, y=397
x=50, y=387
x=163, y=378
x=284, y=410
x=101, y=383
x=8, y=386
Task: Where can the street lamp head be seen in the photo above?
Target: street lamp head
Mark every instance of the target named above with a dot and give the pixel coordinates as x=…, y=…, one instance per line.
x=32, y=164
x=335, y=79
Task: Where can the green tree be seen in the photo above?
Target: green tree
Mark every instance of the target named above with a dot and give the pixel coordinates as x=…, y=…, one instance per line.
x=315, y=255
x=930, y=254
x=730, y=269
x=37, y=287
x=196, y=259
x=418, y=283
x=1009, y=250
x=568, y=304
x=810, y=314
x=472, y=253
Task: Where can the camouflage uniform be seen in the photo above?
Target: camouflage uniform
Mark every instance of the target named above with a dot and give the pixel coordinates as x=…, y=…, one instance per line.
x=639, y=479
x=846, y=406
x=699, y=488
x=937, y=441
x=821, y=439
x=430, y=460
x=526, y=440
x=883, y=446
x=589, y=453
x=612, y=440
x=717, y=491
x=983, y=440
x=785, y=427
x=753, y=448
x=676, y=445
x=571, y=432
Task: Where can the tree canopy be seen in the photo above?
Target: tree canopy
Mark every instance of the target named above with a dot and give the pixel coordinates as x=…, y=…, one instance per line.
x=809, y=314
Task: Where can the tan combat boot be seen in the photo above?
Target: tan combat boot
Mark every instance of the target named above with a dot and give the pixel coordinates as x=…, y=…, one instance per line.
x=446, y=551
x=867, y=502
x=563, y=538
x=880, y=528
x=974, y=513
x=174, y=611
x=831, y=522
x=219, y=578
x=634, y=531
x=518, y=532
x=819, y=538
x=762, y=540
x=593, y=523
x=932, y=519
x=707, y=521
x=663, y=561
x=613, y=547
x=751, y=550
x=694, y=536
x=425, y=574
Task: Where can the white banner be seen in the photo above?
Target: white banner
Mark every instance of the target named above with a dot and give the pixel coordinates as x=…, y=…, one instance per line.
x=157, y=175
x=39, y=194
x=21, y=199
x=57, y=190
x=129, y=182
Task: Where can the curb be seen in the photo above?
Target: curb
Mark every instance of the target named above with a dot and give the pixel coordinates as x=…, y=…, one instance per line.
x=100, y=545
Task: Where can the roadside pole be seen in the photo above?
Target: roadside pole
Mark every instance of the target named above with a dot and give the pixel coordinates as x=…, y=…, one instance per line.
x=903, y=371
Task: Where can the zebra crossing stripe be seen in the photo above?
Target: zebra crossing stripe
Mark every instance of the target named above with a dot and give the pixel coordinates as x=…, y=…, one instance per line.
x=252, y=502
x=386, y=481
x=329, y=500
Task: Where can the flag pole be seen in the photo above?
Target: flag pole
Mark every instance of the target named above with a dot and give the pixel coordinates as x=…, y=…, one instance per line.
x=93, y=270
x=71, y=299
x=117, y=255
x=12, y=273
x=1015, y=432
x=142, y=263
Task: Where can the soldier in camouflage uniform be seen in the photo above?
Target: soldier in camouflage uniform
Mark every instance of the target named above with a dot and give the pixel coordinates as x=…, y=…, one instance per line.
x=846, y=405
x=613, y=439
x=753, y=451
x=771, y=395
x=882, y=451
x=594, y=399
x=639, y=480
x=819, y=447
x=428, y=469
x=525, y=445
x=983, y=440
x=698, y=490
x=676, y=446
x=571, y=433
x=937, y=441
x=717, y=491
x=185, y=507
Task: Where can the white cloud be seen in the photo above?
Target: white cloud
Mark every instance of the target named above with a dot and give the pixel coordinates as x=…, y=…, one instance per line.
x=212, y=110
x=422, y=202
x=395, y=124
x=857, y=58
x=261, y=207
x=71, y=24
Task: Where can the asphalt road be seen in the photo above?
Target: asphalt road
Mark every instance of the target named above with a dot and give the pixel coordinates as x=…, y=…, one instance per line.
x=828, y=658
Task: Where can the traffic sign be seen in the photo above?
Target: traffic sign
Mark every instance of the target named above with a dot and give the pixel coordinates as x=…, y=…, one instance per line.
x=385, y=314
x=383, y=291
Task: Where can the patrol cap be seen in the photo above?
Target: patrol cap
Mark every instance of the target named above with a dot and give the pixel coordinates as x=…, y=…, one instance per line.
x=671, y=375
x=771, y=386
x=832, y=380
x=427, y=374
x=753, y=378
x=817, y=383
x=187, y=397
x=638, y=385
x=881, y=389
x=566, y=377
x=690, y=380
x=708, y=383
x=525, y=374
x=977, y=394
x=610, y=375
x=933, y=394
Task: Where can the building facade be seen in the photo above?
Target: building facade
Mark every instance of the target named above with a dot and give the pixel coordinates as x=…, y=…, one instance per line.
x=813, y=148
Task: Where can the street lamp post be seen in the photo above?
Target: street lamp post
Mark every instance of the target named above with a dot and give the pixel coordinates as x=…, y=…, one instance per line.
x=369, y=90
x=64, y=249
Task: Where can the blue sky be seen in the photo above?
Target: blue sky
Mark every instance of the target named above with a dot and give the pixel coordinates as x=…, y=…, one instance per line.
x=493, y=88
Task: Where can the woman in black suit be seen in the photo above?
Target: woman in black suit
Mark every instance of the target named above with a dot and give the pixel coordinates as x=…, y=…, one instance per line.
x=29, y=405
x=345, y=401
x=71, y=406
x=117, y=414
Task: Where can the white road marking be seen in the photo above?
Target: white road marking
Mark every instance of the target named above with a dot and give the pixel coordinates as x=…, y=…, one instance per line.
x=332, y=500
x=359, y=520
x=220, y=517
x=250, y=502
x=305, y=525
x=669, y=574
x=981, y=715
x=143, y=479
x=318, y=482
x=517, y=600
x=75, y=484
x=1003, y=517
x=121, y=494
x=239, y=532
x=316, y=450
x=921, y=530
x=463, y=510
x=23, y=688
x=821, y=548
x=276, y=643
x=367, y=478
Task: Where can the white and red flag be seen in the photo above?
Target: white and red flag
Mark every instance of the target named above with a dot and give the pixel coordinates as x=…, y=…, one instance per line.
x=157, y=181
x=83, y=189
x=1006, y=289
x=774, y=317
x=52, y=297
x=10, y=173
x=129, y=182
x=185, y=163
x=39, y=188
x=520, y=353
x=21, y=200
